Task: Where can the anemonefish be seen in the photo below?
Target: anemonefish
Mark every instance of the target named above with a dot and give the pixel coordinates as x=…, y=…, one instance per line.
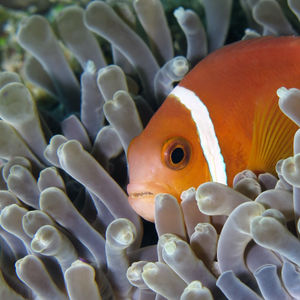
x=222, y=118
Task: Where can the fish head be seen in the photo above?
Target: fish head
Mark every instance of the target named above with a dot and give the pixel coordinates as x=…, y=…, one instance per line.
x=165, y=158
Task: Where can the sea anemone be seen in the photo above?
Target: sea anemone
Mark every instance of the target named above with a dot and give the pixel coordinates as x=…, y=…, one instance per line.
x=67, y=229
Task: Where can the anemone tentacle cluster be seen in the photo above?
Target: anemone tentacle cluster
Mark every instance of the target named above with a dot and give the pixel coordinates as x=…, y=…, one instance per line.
x=67, y=230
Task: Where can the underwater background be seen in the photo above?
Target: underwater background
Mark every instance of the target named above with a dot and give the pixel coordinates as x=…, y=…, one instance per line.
x=79, y=80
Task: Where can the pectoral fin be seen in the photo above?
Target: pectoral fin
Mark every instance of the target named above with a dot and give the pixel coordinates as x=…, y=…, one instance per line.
x=272, y=140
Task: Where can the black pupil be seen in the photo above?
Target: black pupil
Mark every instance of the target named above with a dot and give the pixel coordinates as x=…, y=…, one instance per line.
x=177, y=155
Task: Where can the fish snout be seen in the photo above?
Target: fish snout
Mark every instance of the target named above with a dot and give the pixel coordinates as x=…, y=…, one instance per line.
x=141, y=197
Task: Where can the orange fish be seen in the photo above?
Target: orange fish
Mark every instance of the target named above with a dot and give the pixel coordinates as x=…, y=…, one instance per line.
x=222, y=118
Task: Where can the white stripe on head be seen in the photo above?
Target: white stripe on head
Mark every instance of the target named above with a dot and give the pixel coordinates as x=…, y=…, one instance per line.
x=206, y=132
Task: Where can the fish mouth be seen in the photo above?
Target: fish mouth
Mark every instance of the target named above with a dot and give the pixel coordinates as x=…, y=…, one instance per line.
x=141, y=194
x=142, y=197
x=147, y=189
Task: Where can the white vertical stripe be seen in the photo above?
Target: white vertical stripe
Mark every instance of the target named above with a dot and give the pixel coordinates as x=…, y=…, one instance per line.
x=206, y=132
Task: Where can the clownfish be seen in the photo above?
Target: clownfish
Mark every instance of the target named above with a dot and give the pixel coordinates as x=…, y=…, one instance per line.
x=222, y=118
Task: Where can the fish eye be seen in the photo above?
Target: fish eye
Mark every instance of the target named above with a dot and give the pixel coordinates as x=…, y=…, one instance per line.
x=176, y=153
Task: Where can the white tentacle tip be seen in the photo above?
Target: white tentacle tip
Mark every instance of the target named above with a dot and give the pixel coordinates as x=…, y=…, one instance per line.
x=282, y=92
x=290, y=170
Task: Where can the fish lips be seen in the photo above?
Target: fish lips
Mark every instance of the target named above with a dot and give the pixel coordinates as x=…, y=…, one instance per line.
x=142, y=197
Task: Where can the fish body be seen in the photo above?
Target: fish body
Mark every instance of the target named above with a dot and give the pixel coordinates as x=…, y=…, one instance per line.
x=222, y=118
